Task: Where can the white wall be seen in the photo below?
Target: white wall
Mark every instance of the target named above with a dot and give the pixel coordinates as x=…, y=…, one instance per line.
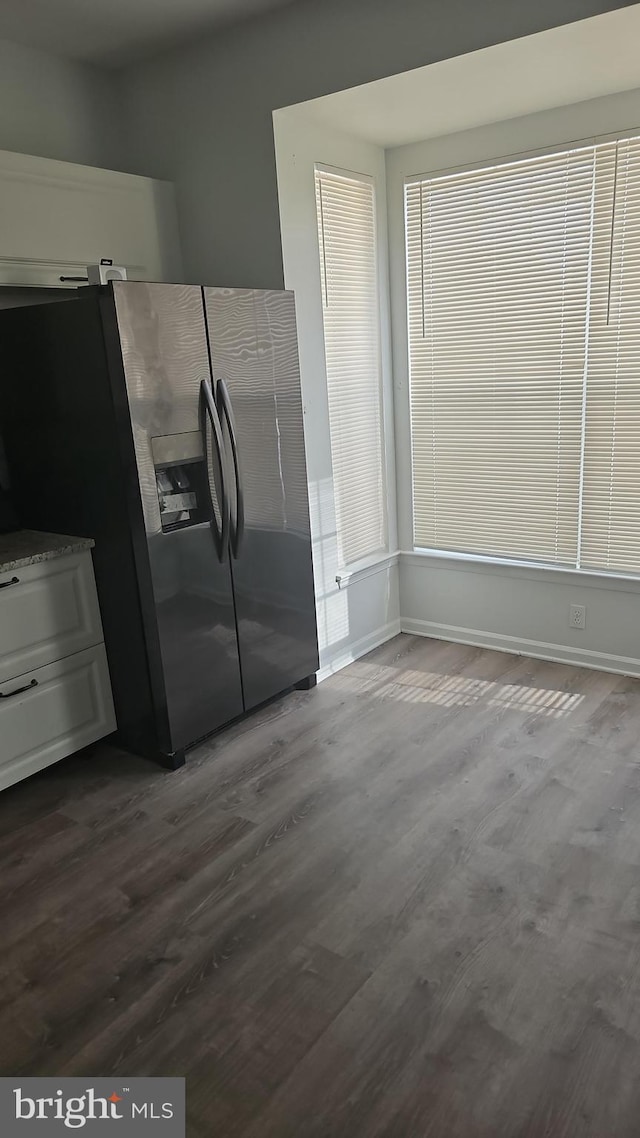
x=503, y=606
x=57, y=108
x=364, y=610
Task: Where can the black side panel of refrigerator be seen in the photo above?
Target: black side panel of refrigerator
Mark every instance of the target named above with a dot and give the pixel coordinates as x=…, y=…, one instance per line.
x=68, y=448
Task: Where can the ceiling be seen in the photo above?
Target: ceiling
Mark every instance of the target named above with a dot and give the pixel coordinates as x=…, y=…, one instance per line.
x=114, y=32
x=578, y=61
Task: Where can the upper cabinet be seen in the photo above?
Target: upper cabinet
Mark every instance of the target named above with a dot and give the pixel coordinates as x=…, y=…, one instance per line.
x=57, y=217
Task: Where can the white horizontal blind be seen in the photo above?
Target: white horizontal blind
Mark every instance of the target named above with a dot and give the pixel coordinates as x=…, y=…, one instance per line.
x=347, y=240
x=498, y=288
x=611, y=496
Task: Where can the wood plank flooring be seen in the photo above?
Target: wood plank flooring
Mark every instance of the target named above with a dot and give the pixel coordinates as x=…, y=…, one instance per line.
x=405, y=904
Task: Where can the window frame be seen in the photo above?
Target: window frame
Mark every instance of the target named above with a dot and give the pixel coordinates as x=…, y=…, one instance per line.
x=351, y=569
x=534, y=568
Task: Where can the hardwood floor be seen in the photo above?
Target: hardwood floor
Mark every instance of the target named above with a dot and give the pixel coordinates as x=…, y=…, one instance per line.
x=405, y=904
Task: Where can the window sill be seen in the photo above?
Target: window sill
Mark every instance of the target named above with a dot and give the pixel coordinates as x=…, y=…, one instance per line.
x=524, y=570
x=368, y=568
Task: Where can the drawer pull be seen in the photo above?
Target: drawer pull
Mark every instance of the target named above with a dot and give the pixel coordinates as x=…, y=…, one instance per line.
x=13, y=581
x=8, y=694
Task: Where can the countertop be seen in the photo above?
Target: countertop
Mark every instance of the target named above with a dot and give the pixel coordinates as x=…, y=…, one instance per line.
x=27, y=547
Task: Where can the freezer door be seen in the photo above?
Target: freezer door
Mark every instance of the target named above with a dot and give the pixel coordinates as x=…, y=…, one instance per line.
x=177, y=440
x=254, y=356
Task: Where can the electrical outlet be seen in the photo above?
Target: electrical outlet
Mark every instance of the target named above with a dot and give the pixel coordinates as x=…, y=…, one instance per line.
x=577, y=616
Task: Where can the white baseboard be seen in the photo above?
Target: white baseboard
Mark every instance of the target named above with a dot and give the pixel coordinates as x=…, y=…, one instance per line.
x=557, y=653
x=359, y=648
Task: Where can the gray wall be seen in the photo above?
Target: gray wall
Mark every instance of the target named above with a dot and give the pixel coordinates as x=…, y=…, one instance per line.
x=201, y=116
x=56, y=108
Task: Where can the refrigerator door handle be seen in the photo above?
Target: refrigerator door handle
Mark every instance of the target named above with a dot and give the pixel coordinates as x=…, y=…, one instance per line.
x=210, y=411
x=225, y=409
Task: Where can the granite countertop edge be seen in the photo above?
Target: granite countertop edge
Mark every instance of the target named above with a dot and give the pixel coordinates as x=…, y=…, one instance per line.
x=29, y=547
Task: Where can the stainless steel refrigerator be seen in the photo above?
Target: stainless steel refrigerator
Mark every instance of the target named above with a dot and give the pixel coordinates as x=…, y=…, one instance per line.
x=165, y=421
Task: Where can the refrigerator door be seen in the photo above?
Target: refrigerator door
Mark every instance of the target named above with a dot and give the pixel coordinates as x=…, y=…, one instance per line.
x=254, y=357
x=182, y=477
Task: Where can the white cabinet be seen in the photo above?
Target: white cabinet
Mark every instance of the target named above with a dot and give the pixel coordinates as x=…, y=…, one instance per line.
x=55, y=692
x=47, y=611
x=53, y=711
x=57, y=217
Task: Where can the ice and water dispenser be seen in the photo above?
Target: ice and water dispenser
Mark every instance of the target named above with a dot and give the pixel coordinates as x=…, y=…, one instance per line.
x=183, y=489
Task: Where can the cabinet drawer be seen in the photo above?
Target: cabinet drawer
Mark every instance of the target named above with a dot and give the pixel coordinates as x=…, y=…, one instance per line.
x=47, y=611
x=63, y=707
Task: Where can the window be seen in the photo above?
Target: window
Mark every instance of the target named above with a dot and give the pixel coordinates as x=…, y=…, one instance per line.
x=347, y=239
x=524, y=346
